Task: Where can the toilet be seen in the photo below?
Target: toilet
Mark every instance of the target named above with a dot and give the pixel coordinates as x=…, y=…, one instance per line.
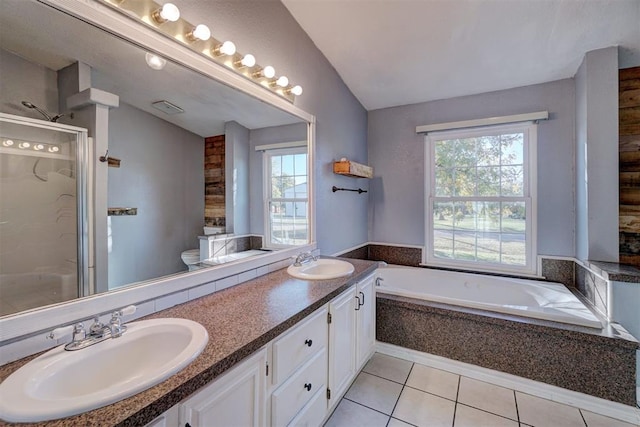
x=191, y=257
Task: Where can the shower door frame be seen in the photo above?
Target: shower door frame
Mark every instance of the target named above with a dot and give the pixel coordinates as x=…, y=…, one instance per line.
x=83, y=181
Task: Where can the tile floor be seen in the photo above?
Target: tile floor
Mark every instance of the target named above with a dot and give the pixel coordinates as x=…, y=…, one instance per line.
x=391, y=392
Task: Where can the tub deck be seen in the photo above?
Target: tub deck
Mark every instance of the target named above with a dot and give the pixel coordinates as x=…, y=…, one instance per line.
x=601, y=363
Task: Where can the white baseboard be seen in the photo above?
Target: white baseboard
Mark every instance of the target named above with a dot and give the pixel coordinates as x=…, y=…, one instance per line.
x=546, y=391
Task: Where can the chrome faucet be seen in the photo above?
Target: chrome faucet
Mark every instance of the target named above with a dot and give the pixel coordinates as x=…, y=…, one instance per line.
x=304, y=257
x=98, y=331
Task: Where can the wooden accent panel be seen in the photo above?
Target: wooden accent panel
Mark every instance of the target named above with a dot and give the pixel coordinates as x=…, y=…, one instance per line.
x=629, y=167
x=629, y=98
x=630, y=115
x=629, y=142
x=214, y=181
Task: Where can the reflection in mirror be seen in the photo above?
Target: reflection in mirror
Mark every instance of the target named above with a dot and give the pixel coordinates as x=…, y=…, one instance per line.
x=184, y=183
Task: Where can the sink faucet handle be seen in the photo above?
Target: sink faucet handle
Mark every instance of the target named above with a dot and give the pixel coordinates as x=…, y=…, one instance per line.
x=61, y=332
x=130, y=309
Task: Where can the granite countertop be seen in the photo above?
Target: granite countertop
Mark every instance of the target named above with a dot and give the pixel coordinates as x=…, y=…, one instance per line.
x=239, y=320
x=616, y=272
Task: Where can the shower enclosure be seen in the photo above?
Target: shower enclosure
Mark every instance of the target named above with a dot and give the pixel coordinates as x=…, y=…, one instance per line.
x=44, y=230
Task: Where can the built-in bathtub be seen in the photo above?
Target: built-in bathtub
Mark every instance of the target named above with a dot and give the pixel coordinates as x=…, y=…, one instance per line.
x=432, y=311
x=522, y=297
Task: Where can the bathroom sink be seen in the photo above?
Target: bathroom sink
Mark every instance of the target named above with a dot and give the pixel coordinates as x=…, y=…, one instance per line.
x=321, y=269
x=62, y=383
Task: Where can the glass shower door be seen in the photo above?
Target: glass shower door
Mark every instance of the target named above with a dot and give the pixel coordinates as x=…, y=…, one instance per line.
x=42, y=215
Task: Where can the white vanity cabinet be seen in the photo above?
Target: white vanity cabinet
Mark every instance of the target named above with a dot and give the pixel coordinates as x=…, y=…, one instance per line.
x=300, y=372
x=237, y=398
x=365, y=320
x=342, y=343
x=296, y=379
x=351, y=335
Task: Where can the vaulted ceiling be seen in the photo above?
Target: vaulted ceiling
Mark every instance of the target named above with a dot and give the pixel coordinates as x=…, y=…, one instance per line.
x=396, y=52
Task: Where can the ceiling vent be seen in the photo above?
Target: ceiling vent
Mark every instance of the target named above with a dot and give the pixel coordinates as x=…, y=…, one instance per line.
x=167, y=107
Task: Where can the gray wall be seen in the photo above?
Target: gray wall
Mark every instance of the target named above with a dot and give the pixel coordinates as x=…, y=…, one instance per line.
x=270, y=135
x=397, y=212
x=236, y=148
x=25, y=81
x=268, y=30
x=597, y=156
x=161, y=174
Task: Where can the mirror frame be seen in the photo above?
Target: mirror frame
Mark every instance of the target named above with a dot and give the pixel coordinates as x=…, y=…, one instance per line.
x=103, y=16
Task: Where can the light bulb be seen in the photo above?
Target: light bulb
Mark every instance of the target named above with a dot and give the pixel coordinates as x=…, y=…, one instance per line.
x=296, y=90
x=38, y=147
x=269, y=72
x=168, y=12
x=200, y=32
x=247, y=61
x=226, y=48
x=7, y=143
x=24, y=145
x=154, y=61
x=282, y=81
x=54, y=149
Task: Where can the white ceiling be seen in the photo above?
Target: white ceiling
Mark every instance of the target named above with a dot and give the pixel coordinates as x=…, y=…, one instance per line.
x=396, y=52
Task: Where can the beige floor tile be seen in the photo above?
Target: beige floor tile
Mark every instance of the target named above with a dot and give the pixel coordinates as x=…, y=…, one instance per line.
x=597, y=420
x=541, y=412
x=388, y=367
x=471, y=417
x=350, y=414
x=424, y=409
x=435, y=381
x=397, y=423
x=488, y=397
x=374, y=392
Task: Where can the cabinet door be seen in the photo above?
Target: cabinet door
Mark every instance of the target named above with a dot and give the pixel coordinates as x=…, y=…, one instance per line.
x=366, y=320
x=235, y=399
x=342, y=343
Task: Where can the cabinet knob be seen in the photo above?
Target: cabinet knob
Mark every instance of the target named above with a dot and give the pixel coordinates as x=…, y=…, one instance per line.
x=308, y=386
x=308, y=342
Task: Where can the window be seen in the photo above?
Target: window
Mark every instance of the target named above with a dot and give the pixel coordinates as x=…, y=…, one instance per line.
x=481, y=198
x=286, y=199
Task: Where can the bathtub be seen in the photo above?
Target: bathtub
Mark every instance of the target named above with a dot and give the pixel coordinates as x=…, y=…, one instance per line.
x=522, y=297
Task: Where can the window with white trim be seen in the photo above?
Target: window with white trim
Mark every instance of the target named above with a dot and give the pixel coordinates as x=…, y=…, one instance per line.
x=481, y=198
x=286, y=197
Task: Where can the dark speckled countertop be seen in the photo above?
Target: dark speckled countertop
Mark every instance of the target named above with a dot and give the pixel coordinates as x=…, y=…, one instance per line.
x=240, y=320
x=616, y=272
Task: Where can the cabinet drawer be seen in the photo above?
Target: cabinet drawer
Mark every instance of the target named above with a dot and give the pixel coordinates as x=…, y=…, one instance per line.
x=299, y=345
x=313, y=413
x=289, y=399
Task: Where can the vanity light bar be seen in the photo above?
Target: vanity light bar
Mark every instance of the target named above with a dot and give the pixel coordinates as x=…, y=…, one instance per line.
x=165, y=18
x=29, y=146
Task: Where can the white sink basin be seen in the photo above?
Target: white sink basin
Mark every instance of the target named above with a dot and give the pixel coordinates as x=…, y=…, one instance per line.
x=321, y=269
x=62, y=383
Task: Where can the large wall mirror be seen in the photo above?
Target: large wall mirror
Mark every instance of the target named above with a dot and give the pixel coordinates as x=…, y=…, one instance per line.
x=181, y=188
